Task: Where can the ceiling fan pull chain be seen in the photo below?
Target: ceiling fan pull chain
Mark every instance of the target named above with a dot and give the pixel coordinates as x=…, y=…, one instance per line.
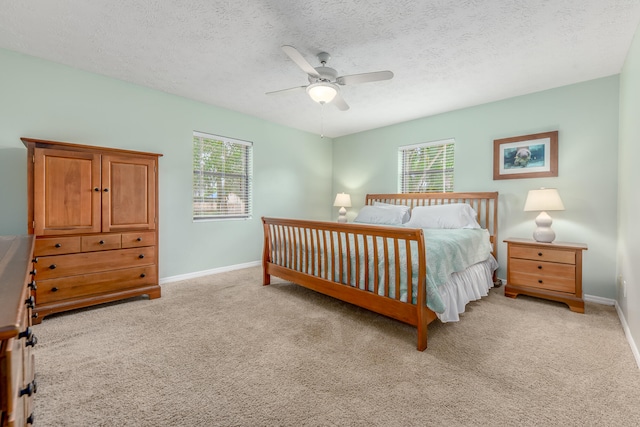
x=322, y=120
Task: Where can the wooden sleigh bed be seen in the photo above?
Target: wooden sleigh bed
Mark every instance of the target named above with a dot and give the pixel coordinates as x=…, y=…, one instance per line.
x=374, y=267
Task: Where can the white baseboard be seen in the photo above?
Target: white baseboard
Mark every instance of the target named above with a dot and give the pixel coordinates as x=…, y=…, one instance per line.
x=599, y=300
x=165, y=280
x=627, y=333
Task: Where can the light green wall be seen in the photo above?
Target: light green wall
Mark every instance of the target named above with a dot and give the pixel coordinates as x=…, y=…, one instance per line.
x=629, y=189
x=586, y=116
x=41, y=99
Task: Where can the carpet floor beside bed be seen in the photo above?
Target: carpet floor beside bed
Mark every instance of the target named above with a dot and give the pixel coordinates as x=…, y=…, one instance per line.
x=223, y=350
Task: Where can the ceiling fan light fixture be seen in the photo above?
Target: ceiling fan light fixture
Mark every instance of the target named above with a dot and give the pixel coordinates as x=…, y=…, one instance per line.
x=322, y=92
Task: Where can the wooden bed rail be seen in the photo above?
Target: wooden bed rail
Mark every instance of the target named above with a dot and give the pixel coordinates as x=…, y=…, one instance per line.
x=359, y=264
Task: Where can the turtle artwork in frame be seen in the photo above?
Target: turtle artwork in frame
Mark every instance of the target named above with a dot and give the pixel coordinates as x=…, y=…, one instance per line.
x=526, y=156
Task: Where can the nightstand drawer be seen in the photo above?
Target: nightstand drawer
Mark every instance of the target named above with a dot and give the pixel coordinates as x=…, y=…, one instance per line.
x=543, y=269
x=561, y=284
x=543, y=254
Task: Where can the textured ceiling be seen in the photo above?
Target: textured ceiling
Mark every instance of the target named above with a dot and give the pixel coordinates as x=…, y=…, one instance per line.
x=445, y=54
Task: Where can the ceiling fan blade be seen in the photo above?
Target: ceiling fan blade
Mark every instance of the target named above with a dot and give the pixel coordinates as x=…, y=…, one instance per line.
x=364, y=77
x=291, y=89
x=297, y=57
x=339, y=102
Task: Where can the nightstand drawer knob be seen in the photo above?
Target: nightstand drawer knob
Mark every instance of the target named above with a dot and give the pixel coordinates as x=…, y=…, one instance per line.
x=539, y=267
x=539, y=253
x=540, y=281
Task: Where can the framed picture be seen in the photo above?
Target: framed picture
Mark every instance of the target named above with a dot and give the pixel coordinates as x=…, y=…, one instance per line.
x=527, y=156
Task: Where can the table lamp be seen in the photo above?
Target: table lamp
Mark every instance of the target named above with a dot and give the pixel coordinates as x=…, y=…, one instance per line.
x=342, y=200
x=544, y=199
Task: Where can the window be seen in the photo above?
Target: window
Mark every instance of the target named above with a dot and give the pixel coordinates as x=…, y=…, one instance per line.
x=426, y=168
x=222, y=175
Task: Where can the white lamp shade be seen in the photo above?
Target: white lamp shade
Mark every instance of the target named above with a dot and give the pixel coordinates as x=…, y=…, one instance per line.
x=322, y=92
x=342, y=200
x=544, y=199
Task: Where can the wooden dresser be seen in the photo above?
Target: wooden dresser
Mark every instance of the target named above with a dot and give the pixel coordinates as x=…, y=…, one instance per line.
x=93, y=211
x=545, y=270
x=17, y=377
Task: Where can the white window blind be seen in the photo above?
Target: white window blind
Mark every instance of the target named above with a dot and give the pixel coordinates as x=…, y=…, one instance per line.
x=426, y=168
x=222, y=177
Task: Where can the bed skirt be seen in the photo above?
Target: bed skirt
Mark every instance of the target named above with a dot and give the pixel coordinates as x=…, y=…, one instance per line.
x=465, y=286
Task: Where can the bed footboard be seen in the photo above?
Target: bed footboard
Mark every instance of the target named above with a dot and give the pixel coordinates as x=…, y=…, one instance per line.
x=382, y=269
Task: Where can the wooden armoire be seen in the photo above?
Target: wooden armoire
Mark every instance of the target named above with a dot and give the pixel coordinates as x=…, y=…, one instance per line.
x=94, y=212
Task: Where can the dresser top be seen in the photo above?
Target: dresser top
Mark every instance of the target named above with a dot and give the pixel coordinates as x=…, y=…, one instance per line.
x=15, y=257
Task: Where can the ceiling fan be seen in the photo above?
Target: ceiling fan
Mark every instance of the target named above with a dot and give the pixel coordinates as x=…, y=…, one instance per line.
x=324, y=82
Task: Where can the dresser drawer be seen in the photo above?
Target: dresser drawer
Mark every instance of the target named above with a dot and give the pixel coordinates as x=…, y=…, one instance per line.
x=52, y=267
x=57, y=246
x=101, y=242
x=63, y=288
x=542, y=254
x=12, y=368
x=137, y=239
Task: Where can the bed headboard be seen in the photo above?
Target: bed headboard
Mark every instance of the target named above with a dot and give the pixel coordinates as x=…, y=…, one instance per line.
x=485, y=204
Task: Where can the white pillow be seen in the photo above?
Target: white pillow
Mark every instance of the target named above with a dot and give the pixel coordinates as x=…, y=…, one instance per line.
x=455, y=215
x=383, y=215
x=406, y=210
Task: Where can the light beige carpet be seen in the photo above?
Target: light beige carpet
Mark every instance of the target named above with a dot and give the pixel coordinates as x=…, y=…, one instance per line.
x=223, y=350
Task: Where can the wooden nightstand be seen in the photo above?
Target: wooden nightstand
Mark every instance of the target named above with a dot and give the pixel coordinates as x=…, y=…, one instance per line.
x=545, y=270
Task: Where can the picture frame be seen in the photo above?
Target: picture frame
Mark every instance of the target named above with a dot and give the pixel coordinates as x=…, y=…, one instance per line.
x=526, y=156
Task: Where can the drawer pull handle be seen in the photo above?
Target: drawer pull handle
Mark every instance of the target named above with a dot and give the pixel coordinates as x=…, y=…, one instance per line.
x=539, y=267
x=30, y=302
x=96, y=189
x=27, y=333
x=540, y=281
x=31, y=419
x=54, y=289
x=52, y=266
x=101, y=242
x=28, y=390
x=141, y=256
x=32, y=342
x=539, y=253
x=33, y=272
x=143, y=275
x=106, y=190
x=34, y=316
x=58, y=245
x=33, y=285
x=35, y=260
x=139, y=239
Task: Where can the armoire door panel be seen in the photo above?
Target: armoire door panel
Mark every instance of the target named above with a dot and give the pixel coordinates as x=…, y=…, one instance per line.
x=128, y=196
x=67, y=196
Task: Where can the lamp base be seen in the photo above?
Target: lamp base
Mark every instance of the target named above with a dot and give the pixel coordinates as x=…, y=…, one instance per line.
x=343, y=215
x=544, y=233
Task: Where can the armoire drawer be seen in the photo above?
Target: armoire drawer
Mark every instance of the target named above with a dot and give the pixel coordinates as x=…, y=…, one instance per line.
x=63, y=288
x=100, y=242
x=57, y=246
x=51, y=267
x=137, y=239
